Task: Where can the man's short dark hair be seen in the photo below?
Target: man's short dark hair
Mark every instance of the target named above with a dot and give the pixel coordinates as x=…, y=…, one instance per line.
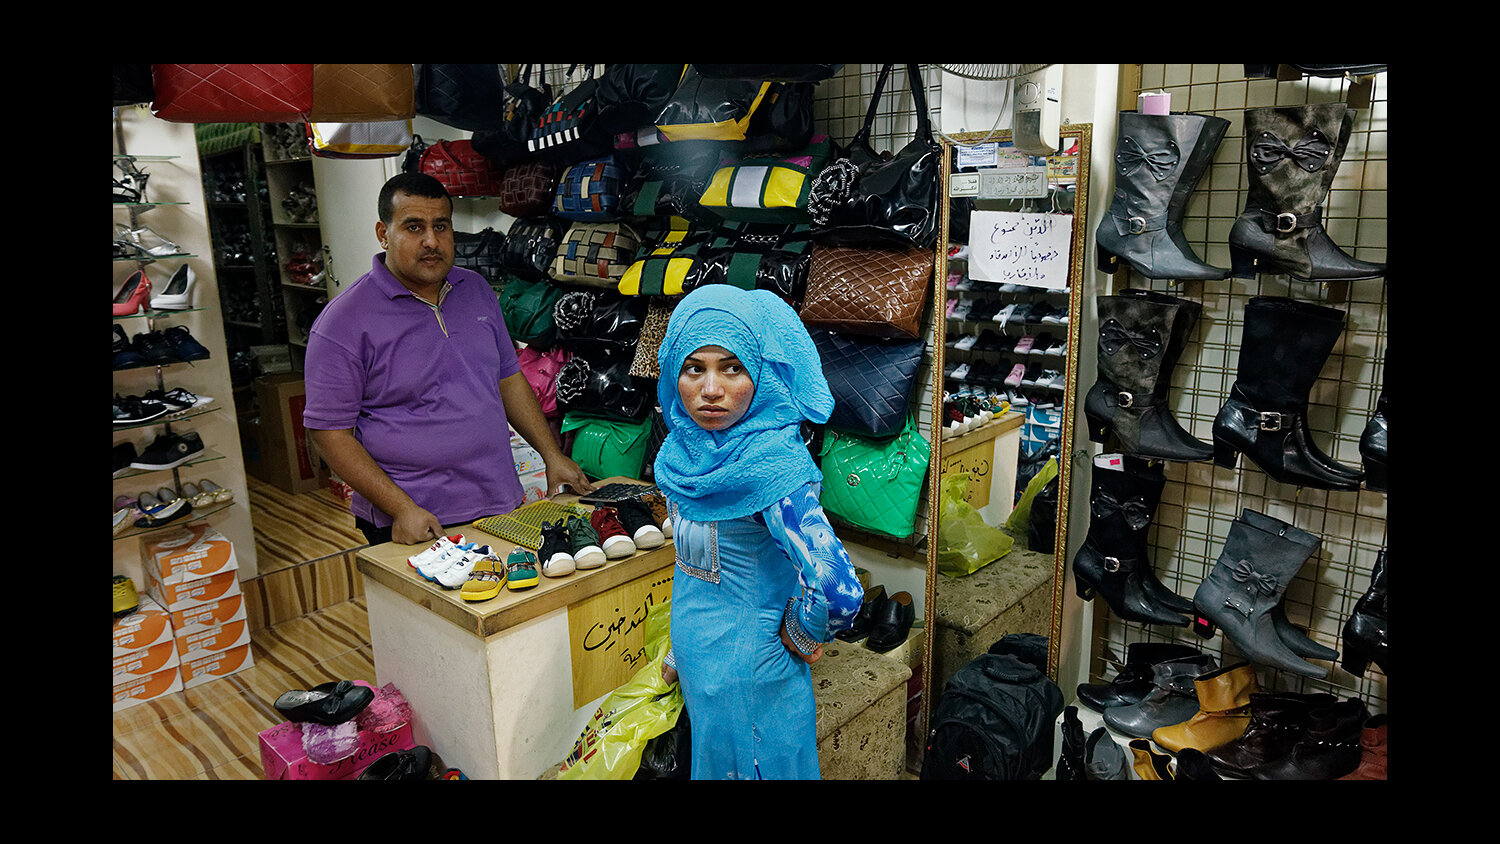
x=411, y=184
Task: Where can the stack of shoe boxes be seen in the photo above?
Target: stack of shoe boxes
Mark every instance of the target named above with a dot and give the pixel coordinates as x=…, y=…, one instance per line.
x=146, y=663
x=193, y=574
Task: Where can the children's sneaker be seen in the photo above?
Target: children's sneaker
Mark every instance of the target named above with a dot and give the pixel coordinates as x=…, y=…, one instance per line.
x=435, y=551
x=612, y=536
x=556, y=553
x=638, y=522
x=126, y=599
x=659, y=511
x=520, y=569
x=584, y=541
x=458, y=572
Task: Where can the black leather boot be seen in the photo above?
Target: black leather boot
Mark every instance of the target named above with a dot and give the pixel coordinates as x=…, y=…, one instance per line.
x=1141, y=336
x=1113, y=558
x=1283, y=348
x=1364, y=632
x=1159, y=159
x=1293, y=154
x=1135, y=679
x=1328, y=750
x=1372, y=445
x=1277, y=721
x=1244, y=587
x=1070, y=763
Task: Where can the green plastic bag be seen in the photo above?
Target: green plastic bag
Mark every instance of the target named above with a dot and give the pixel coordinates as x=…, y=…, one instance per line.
x=612, y=742
x=966, y=542
x=1020, y=518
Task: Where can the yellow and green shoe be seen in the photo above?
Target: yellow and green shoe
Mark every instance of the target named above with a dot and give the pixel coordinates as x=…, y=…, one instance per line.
x=520, y=569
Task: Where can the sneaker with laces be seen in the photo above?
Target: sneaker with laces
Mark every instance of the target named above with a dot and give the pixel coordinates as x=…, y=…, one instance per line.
x=556, y=553
x=612, y=536
x=520, y=569
x=126, y=599
x=1017, y=374
x=583, y=541
x=183, y=345
x=639, y=523
x=169, y=450
x=455, y=575
x=659, y=511
x=432, y=552
x=434, y=566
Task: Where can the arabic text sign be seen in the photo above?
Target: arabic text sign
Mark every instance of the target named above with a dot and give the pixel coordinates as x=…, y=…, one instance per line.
x=1012, y=247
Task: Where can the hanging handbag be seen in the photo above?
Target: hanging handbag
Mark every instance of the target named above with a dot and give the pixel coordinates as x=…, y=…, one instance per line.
x=871, y=380
x=608, y=448
x=464, y=96
x=599, y=320
x=873, y=291
x=541, y=368
x=527, y=189
x=756, y=256
x=769, y=72
x=666, y=180
x=595, y=254
x=597, y=382
x=231, y=93
x=784, y=121
x=766, y=188
x=462, y=171
x=527, y=306
x=630, y=96
x=590, y=190
x=667, y=259
x=522, y=108
x=710, y=109
x=875, y=484
x=383, y=139
x=568, y=130
x=863, y=197
x=530, y=246
x=483, y=252
x=653, y=331
x=362, y=93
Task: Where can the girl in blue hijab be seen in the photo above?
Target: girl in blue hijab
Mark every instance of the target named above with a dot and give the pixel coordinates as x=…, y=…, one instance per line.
x=761, y=581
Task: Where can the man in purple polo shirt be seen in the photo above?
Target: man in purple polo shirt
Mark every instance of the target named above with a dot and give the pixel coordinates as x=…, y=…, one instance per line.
x=412, y=377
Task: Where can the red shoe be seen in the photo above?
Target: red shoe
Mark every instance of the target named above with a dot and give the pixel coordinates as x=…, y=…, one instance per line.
x=133, y=294
x=612, y=536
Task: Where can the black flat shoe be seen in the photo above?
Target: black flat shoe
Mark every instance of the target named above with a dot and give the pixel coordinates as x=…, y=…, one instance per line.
x=893, y=620
x=865, y=620
x=418, y=763
x=327, y=704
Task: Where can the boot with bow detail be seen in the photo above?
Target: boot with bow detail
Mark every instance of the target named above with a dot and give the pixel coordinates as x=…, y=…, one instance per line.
x=1133, y=682
x=1223, y=711
x=1277, y=722
x=1174, y=700
x=1293, y=154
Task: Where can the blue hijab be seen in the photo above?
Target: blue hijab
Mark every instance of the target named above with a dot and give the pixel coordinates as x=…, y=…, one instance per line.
x=717, y=475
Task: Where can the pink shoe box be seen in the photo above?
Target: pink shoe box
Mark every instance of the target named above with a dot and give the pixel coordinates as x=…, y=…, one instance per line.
x=193, y=593
x=282, y=756
x=147, y=626
x=192, y=553
x=215, y=665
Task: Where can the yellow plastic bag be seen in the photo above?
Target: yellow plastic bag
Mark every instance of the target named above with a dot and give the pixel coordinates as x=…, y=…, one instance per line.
x=1020, y=518
x=641, y=709
x=966, y=543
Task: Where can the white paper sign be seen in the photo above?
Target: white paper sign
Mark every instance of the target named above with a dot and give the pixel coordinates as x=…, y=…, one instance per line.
x=1013, y=247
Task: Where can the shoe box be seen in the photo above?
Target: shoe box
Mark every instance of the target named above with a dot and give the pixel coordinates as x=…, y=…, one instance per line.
x=283, y=756
x=276, y=446
x=146, y=662
x=192, y=553
x=530, y=468
x=194, y=574
x=211, y=629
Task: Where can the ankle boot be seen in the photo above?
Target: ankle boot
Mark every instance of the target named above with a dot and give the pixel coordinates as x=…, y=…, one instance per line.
x=1328, y=750
x=1141, y=336
x=1277, y=722
x=1133, y=682
x=1223, y=711
x=1193, y=766
x=1364, y=633
x=1150, y=765
x=1293, y=154
x=1282, y=350
x=1070, y=763
x=1113, y=558
x=1173, y=700
x=1158, y=161
x=1372, y=445
x=1247, y=583
x=1102, y=758
x=1371, y=750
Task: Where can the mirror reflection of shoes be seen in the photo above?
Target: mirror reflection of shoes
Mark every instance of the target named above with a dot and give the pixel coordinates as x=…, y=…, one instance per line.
x=893, y=621
x=864, y=621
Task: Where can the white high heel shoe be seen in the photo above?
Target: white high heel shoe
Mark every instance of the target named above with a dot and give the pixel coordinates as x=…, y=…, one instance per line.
x=177, y=295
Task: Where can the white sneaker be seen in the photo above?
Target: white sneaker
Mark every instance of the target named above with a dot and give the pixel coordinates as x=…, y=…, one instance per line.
x=1004, y=314
x=435, y=551
x=966, y=342
x=462, y=566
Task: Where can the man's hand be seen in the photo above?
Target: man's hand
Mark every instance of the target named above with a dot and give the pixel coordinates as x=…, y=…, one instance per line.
x=561, y=469
x=415, y=526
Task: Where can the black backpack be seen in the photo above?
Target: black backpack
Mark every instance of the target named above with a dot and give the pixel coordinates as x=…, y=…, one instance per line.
x=996, y=718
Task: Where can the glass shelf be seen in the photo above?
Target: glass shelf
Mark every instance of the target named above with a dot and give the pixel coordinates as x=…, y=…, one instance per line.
x=196, y=516
x=145, y=204
x=181, y=416
x=208, y=456
x=159, y=315
x=151, y=259
x=127, y=157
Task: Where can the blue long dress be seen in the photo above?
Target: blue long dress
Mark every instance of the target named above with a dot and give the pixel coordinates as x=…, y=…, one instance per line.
x=750, y=700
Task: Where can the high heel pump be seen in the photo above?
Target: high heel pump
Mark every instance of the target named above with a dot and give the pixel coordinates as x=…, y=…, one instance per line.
x=133, y=294
x=178, y=294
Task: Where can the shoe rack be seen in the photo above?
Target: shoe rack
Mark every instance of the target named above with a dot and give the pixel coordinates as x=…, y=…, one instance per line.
x=297, y=268
x=172, y=207
x=1201, y=500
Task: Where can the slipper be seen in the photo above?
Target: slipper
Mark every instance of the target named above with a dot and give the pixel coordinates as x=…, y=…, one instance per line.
x=326, y=745
x=484, y=581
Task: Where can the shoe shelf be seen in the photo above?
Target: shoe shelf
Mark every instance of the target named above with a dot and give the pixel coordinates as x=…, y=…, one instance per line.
x=176, y=417
x=296, y=230
x=208, y=455
x=194, y=517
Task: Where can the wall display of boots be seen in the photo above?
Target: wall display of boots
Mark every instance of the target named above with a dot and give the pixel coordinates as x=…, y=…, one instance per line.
x=1279, y=557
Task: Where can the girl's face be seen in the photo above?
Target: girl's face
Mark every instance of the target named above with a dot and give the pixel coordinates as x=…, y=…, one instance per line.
x=714, y=388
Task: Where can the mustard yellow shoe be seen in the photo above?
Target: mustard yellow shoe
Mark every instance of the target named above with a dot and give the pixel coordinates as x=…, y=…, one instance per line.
x=126, y=599
x=1223, y=711
x=484, y=582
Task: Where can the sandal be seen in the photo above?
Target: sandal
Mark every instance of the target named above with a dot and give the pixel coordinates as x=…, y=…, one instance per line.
x=146, y=240
x=125, y=191
x=484, y=582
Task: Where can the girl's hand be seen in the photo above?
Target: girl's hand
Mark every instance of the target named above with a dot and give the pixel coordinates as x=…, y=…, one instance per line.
x=808, y=658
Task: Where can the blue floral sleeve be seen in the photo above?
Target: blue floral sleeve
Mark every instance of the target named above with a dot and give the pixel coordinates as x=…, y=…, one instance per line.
x=831, y=592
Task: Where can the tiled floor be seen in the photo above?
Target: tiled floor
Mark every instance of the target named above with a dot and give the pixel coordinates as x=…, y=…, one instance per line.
x=209, y=732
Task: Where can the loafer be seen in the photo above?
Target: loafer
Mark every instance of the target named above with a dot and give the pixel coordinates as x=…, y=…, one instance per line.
x=327, y=704
x=418, y=763
x=893, y=620
x=864, y=621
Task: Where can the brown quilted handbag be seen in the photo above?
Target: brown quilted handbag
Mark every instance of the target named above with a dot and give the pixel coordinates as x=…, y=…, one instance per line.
x=527, y=189
x=362, y=93
x=875, y=291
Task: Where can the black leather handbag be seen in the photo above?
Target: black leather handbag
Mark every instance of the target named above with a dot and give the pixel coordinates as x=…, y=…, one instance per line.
x=464, y=96
x=872, y=381
x=598, y=381
x=523, y=107
x=531, y=245
x=864, y=198
x=483, y=252
x=593, y=319
x=631, y=95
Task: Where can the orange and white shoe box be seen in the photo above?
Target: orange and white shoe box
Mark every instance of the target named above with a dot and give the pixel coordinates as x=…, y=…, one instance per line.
x=192, y=553
x=193, y=593
x=215, y=664
x=146, y=662
x=211, y=628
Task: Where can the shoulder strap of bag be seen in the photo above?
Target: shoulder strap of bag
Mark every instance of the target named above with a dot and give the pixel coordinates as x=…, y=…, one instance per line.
x=919, y=103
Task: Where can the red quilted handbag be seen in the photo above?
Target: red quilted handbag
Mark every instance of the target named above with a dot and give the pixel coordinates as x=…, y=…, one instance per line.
x=462, y=170
x=232, y=93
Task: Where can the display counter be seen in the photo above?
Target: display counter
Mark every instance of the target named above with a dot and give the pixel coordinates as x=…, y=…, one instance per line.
x=502, y=688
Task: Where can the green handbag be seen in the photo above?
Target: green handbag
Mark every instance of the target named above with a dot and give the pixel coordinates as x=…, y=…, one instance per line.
x=527, y=307
x=875, y=484
x=608, y=448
